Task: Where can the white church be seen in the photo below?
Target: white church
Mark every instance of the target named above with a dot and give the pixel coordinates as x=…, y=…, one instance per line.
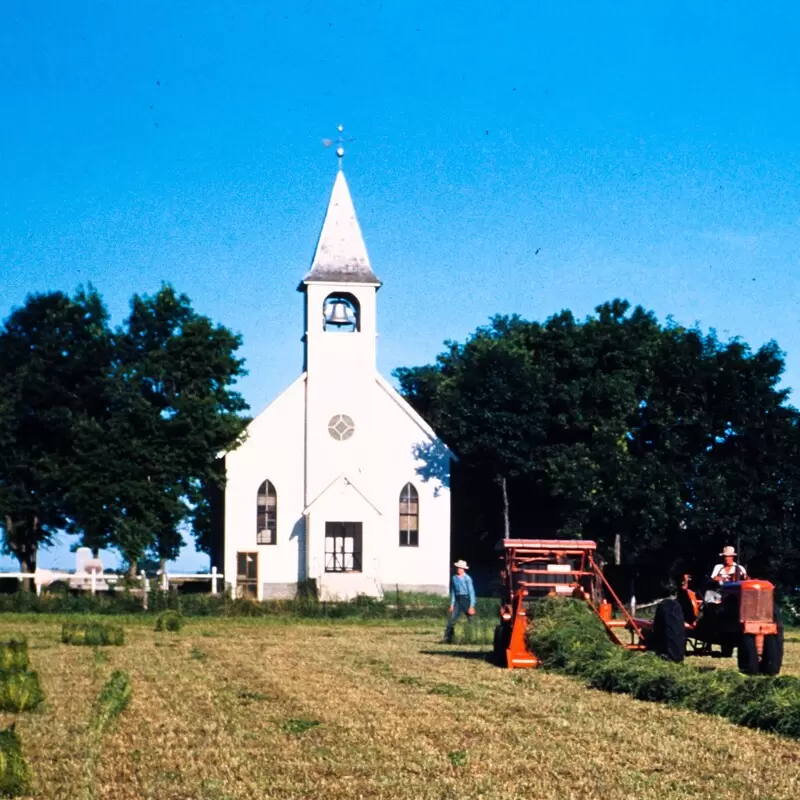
x=338, y=481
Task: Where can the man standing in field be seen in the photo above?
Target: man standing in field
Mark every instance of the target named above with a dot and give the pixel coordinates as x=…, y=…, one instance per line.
x=462, y=599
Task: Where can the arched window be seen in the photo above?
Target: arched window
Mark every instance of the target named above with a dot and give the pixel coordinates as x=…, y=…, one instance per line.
x=267, y=514
x=409, y=517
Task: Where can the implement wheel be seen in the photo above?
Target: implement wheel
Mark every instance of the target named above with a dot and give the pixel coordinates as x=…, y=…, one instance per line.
x=501, y=641
x=668, y=637
x=747, y=655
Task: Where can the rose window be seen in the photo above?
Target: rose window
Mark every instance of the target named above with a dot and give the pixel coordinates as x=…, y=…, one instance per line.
x=341, y=427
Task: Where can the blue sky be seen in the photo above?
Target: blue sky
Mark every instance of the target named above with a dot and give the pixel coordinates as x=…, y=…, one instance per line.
x=509, y=157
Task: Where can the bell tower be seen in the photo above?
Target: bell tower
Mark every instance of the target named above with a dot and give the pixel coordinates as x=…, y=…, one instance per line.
x=340, y=293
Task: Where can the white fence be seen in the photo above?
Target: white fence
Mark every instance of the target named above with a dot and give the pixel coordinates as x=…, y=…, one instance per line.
x=99, y=581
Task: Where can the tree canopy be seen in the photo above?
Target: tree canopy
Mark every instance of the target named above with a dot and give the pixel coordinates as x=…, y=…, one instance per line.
x=113, y=434
x=54, y=351
x=660, y=442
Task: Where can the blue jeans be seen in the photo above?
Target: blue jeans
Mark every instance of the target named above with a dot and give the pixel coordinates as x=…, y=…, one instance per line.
x=461, y=606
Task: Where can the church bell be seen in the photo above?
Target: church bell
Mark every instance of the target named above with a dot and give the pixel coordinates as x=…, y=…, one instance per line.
x=339, y=315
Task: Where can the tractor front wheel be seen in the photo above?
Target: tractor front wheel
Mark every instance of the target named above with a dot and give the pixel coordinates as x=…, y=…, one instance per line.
x=668, y=637
x=747, y=655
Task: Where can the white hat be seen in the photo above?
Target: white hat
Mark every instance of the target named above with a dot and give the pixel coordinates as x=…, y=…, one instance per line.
x=461, y=564
x=728, y=551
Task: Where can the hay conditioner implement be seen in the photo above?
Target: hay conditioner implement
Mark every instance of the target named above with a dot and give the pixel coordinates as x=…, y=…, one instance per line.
x=740, y=616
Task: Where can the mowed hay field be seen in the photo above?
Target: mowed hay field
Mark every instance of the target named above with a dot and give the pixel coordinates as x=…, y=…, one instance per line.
x=264, y=709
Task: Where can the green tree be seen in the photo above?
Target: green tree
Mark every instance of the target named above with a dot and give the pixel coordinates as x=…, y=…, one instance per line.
x=659, y=442
x=479, y=398
x=170, y=410
x=54, y=355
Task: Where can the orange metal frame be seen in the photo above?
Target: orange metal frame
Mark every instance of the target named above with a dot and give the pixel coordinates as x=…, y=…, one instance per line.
x=573, y=559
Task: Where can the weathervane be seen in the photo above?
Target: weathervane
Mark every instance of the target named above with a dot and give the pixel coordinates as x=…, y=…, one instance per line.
x=339, y=142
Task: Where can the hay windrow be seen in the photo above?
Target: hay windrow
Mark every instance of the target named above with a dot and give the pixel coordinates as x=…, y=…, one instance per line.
x=113, y=699
x=477, y=631
x=565, y=635
x=92, y=634
x=15, y=775
x=14, y=655
x=569, y=638
x=20, y=691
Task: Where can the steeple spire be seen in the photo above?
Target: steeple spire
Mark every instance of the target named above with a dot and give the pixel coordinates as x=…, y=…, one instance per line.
x=340, y=146
x=341, y=254
x=339, y=142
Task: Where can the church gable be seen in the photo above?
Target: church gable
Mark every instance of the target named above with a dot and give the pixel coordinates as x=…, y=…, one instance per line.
x=342, y=495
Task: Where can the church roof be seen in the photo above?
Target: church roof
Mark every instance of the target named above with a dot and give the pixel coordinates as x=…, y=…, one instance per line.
x=341, y=255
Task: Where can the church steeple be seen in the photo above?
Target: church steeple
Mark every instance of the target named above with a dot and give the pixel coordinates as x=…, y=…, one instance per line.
x=340, y=298
x=341, y=255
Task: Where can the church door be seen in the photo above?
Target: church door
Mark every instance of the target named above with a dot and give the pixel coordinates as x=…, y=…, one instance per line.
x=247, y=574
x=343, y=546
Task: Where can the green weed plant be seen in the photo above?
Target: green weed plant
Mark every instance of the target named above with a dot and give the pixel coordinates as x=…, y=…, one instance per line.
x=197, y=654
x=169, y=620
x=450, y=690
x=299, y=725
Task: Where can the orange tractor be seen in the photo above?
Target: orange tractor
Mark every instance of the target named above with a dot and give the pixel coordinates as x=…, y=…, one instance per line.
x=740, y=616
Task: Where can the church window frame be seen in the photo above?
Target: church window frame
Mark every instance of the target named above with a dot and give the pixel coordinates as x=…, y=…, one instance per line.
x=344, y=542
x=247, y=574
x=267, y=514
x=409, y=516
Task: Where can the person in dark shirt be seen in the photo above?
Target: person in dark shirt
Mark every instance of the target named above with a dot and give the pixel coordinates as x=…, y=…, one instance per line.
x=462, y=599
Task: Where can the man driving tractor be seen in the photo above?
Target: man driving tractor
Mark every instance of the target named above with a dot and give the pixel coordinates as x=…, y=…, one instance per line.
x=729, y=570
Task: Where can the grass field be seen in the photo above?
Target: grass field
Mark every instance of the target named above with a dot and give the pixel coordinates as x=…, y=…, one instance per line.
x=265, y=709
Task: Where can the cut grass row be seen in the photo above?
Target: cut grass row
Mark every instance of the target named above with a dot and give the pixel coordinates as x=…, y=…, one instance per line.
x=567, y=636
x=20, y=690
x=19, y=686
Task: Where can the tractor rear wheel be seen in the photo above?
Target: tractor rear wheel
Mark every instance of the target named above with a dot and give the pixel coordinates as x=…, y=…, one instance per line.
x=668, y=637
x=772, y=654
x=747, y=655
